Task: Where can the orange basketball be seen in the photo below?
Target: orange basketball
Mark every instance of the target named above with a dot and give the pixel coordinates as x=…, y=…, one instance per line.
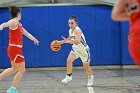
x=55, y=45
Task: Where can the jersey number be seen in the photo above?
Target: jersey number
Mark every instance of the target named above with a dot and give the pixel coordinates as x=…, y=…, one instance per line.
x=132, y=6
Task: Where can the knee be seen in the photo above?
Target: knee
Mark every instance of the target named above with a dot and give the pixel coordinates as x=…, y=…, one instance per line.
x=22, y=71
x=14, y=70
x=86, y=66
x=69, y=61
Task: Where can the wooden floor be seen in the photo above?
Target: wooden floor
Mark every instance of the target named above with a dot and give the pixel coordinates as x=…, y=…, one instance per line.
x=49, y=81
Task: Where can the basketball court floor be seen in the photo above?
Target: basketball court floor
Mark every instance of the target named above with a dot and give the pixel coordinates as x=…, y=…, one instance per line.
x=49, y=81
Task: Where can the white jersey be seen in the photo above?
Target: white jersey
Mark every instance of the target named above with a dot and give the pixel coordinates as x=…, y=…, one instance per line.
x=83, y=44
x=80, y=50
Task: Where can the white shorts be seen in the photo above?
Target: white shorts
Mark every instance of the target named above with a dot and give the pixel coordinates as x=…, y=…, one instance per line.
x=83, y=54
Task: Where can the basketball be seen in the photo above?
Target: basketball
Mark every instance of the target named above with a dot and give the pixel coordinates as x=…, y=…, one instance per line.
x=55, y=45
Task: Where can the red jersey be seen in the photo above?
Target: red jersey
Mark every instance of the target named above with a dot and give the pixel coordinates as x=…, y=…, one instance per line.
x=15, y=35
x=134, y=9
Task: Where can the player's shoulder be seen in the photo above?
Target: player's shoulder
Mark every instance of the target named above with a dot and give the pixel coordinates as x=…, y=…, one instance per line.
x=77, y=30
x=12, y=22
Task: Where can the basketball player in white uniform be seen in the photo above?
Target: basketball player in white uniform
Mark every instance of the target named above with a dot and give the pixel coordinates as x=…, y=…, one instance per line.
x=80, y=49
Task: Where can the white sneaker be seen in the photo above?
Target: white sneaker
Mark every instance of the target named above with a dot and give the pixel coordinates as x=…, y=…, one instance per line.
x=67, y=79
x=90, y=81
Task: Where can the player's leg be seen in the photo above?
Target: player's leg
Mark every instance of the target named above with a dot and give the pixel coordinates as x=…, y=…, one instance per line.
x=8, y=71
x=19, y=74
x=70, y=60
x=85, y=57
x=17, y=78
x=87, y=68
x=19, y=63
x=89, y=73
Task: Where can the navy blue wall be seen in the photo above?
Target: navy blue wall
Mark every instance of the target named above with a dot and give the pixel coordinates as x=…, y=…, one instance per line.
x=107, y=39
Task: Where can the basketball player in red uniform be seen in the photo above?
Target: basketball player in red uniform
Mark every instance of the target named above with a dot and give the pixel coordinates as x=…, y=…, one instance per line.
x=130, y=10
x=15, y=48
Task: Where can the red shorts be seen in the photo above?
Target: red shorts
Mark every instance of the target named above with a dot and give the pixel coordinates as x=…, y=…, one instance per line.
x=134, y=49
x=15, y=54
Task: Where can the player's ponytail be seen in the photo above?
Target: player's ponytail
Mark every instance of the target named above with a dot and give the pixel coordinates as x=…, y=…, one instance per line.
x=14, y=11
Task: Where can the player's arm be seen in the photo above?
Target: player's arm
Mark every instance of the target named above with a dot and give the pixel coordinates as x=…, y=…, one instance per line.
x=119, y=11
x=3, y=25
x=68, y=40
x=11, y=23
x=64, y=40
x=36, y=42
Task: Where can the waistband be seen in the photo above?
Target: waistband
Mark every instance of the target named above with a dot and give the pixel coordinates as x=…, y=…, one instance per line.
x=17, y=45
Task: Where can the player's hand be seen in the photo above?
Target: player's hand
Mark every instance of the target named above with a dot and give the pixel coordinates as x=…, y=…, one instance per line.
x=64, y=39
x=36, y=42
x=69, y=39
x=1, y=28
